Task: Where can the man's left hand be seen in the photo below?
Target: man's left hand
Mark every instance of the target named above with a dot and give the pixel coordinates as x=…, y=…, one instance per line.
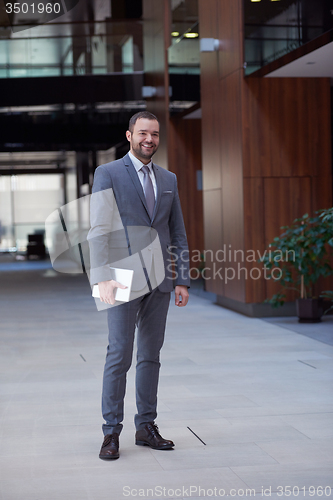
x=181, y=295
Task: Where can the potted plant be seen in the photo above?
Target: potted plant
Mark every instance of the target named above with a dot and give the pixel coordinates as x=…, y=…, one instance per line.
x=303, y=254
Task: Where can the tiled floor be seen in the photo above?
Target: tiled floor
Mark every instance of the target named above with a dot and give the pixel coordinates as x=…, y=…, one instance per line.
x=259, y=397
x=320, y=331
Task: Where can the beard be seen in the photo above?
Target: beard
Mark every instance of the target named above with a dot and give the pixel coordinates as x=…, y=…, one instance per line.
x=142, y=152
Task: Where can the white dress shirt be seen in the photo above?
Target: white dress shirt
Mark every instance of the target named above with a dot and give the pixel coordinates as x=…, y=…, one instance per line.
x=138, y=165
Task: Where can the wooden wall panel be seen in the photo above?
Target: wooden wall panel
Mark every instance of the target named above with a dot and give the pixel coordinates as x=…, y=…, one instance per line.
x=321, y=190
x=209, y=97
x=256, y=130
x=254, y=233
x=211, y=125
x=230, y=34
x=319, y=125
x=208, y=18
x=232, y=175
x=185, y=160
x=212, y=201
x=266, y=147
x=286, y=131
x=286, y=127
x=222, y=137
x=285, y=199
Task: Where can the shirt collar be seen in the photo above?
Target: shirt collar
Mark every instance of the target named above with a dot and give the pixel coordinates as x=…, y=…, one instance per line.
x=138, y=164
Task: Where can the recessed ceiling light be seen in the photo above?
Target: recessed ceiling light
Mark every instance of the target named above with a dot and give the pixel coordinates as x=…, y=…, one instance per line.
x=255, y=0
x=191, y=35
x=175, y=33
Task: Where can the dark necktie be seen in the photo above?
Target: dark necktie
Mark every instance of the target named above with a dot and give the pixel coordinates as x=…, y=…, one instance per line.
x=149, y=190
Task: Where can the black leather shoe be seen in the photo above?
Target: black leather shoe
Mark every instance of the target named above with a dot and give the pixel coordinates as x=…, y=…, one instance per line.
x=110, y=447
x=149, y=436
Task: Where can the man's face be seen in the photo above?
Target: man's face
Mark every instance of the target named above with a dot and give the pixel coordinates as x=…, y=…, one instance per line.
x=144, y=139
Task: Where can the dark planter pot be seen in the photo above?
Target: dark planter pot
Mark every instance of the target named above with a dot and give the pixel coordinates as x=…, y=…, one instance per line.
x=309, y=310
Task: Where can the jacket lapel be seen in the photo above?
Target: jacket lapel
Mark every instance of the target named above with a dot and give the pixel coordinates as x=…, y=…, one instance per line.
x=135, y=179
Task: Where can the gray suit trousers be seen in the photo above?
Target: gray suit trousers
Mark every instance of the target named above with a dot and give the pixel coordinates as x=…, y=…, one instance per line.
x=149, y=314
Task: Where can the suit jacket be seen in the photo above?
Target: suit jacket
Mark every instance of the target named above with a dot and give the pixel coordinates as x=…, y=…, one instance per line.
x=123, y=232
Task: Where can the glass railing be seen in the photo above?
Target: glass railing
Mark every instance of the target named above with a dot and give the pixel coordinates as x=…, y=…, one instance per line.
x=108, y=47
x=184, y=66
x=184, y=53
x=274, y=28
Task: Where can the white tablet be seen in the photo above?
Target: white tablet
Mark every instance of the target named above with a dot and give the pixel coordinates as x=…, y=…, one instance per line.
x=123, y=276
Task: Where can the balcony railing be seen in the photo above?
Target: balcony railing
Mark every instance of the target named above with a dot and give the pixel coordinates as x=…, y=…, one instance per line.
x=275, y=28
x=73, y=49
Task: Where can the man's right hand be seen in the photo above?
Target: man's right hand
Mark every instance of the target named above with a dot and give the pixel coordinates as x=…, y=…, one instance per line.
x=107, y=291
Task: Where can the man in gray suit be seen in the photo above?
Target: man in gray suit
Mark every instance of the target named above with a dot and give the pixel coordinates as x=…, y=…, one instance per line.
x=146, y=197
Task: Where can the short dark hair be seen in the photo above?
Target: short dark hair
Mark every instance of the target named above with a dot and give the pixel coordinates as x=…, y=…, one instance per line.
x=137, y=116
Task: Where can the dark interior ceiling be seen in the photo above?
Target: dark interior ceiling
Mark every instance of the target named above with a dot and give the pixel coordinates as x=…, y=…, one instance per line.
x=72, y=117
x=76, y=115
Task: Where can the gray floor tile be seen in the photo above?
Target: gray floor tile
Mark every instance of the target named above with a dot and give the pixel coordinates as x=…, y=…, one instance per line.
x=246, y=387
x=313, y=425
x=306, y=451
x=292, y=475
x=214, y=455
